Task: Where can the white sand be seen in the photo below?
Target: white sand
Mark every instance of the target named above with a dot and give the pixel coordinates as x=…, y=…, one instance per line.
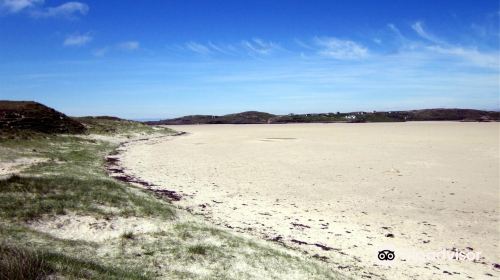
x=11, y=167
x=433, y=185
x=89, y=228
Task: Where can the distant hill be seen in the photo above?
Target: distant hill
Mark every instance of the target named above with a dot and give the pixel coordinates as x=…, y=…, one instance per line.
x=253, y=117
x=393, y=116
x=33, y=116
x=249, y=117
x=453, y=114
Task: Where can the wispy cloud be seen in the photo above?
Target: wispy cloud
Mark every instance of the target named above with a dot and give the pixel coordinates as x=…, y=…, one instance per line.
x=15, y=6
x=253, y=47
x=303, y=44
x=66, y=10
x=200, y=48
x=77, y=40
x=37, y=8
x=490, y=59
x=128, y=45
x=431, y=48
x=419, y=29
x=471, y=55
x=222, y=48
x=260, y=47
x=122, y=46
x=392, y=27
x=340, y=49
x=100, y=51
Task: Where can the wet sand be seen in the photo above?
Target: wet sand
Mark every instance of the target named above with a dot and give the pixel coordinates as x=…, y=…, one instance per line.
x=344, y=192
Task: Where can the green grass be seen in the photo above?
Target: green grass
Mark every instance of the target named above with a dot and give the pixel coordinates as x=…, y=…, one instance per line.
x=29, y=198
x=19, y=263
x=22, y=264
x=199, y=249
x=70, y=267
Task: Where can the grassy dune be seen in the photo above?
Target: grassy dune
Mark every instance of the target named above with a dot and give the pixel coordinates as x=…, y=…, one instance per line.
x=46, y=209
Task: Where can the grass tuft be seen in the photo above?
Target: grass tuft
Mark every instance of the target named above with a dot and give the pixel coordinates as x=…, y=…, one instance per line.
x=128, y=235
x=21, y=264
x=198, y=249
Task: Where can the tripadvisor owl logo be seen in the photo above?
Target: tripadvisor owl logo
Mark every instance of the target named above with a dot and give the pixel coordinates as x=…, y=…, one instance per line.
x=386, y=255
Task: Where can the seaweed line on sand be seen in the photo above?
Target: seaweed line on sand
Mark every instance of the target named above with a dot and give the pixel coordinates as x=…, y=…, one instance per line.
x=114, y=170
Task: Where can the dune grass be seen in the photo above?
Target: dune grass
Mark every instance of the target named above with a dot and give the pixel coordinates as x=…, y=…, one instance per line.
x=30, y=198
x=71, y=179
x=20, y=263
x=113, y=126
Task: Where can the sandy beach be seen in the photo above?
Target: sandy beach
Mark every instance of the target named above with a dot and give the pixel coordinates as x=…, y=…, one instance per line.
x=428, y=191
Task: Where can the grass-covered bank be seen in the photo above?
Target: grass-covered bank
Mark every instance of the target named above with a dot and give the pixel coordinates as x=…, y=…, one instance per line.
x=64, y=217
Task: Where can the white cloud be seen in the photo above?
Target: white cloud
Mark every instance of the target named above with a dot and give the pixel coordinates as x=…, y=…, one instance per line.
x=225, y=49
x=396, y=31
x=36, y=8
x=129, y=45
x=259, y=46
x=303, y=44
x=198, y=48
x=418, y=27
x=123, y=46
x=340, y=49
x=77, y=40
x=67, y=10
x=393, y=28
x=431, y=50
x=15, y=6
x=101, y=51
x=252, y=47
x=472, y=55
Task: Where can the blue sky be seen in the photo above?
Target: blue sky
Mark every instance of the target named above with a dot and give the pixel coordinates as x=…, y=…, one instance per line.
x=157, y=59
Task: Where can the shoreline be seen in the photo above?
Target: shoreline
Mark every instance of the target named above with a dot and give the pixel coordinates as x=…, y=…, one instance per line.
x=116, y=171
